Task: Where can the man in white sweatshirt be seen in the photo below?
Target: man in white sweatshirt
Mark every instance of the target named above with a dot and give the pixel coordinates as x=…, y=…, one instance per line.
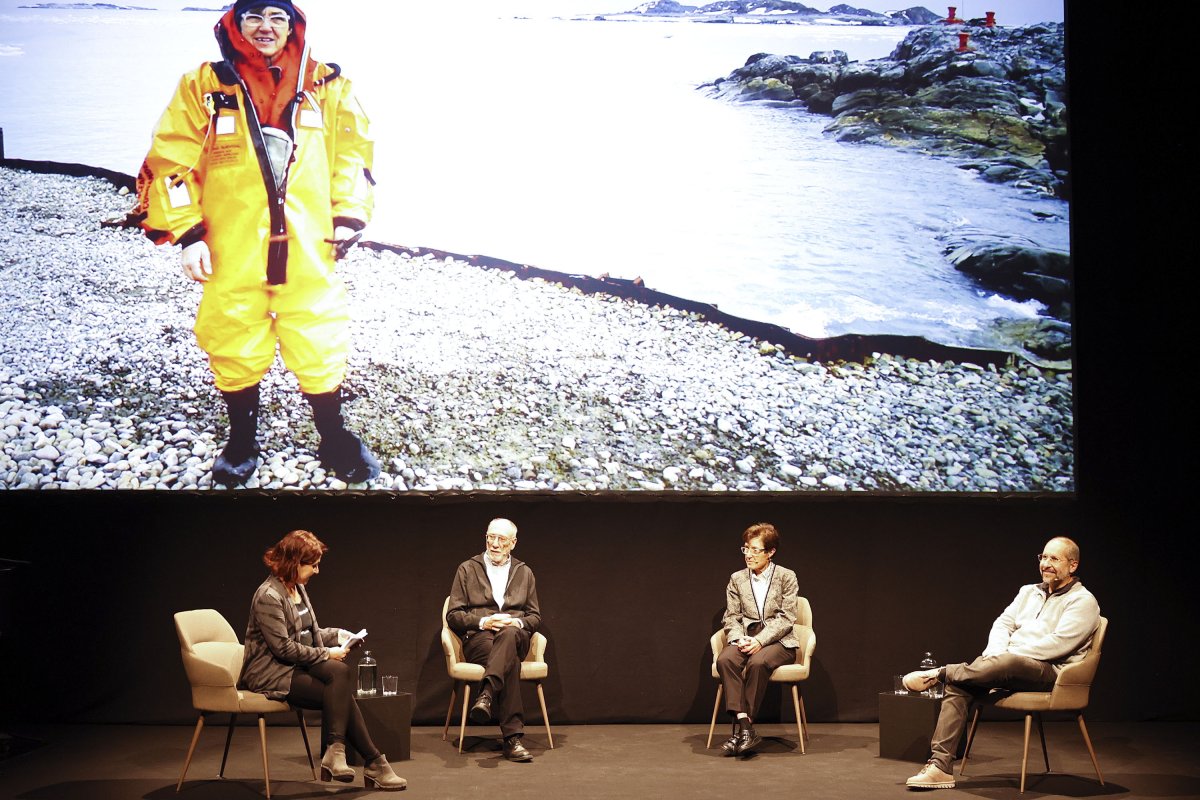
x=1046, y=626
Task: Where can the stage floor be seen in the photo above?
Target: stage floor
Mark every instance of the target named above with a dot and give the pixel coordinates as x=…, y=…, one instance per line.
x=124, y=762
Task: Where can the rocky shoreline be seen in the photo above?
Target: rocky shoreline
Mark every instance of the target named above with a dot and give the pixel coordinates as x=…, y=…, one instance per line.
x=775, y=12
x=470, y=379
x=997, y=108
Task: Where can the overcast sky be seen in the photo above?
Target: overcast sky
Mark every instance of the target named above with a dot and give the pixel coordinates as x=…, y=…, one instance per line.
x=1008, y=12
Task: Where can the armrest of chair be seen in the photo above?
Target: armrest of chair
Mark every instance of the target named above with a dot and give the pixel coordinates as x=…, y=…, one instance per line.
x=213, y=664
x=1073, y=686
x=807, y=639
x=1080, y=673
x=537, y=648
x=717, y=642
x=451, y=648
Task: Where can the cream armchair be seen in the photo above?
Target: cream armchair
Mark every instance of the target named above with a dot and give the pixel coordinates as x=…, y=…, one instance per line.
x=1071, y=692
x=789, y=673
x=464, y=673
x=212, y=659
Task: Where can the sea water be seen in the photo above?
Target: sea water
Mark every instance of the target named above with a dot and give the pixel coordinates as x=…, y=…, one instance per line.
x=579, y=145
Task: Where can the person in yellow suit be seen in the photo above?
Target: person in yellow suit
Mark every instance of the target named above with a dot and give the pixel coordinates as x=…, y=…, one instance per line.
x=260, y=168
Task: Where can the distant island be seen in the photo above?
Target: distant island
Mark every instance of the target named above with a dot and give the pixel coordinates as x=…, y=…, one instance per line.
x=113, y=7
x=781, y=12
x=778, y=12
x=87, y=7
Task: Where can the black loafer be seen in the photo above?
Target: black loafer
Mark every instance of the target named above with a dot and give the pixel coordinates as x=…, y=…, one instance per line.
x=729, y=747
x=748, y=741
x=481, y=712
x=515, y=751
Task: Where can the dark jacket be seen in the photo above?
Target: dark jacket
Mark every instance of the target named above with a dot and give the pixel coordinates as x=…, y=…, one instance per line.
x=273, y=647
x=471, y=596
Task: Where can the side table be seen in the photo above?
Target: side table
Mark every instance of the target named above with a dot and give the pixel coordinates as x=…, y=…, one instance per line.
x=906, y=723
x=389, y=721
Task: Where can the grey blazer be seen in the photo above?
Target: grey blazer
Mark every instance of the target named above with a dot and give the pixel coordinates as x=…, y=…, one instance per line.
x=778, y=614
x=273, y=647
x=471, y=596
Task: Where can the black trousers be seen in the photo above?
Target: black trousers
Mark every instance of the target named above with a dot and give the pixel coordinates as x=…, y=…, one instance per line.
x=745, y=678
x=329, y=688
x=500, y=653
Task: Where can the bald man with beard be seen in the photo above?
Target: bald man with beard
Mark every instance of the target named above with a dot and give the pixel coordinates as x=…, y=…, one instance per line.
x=1047, y=626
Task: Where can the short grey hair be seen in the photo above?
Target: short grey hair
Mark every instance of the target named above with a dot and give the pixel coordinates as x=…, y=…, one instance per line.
x=503, y=527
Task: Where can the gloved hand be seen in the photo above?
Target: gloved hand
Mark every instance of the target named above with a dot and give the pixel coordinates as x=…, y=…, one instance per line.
x=344, y=238
x=197, y=261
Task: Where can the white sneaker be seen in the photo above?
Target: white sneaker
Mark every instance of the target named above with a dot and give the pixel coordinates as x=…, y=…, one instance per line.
x=930, y=777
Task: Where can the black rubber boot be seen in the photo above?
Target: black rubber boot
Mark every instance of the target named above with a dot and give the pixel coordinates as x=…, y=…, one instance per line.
x=239, y=460
x=340, y=450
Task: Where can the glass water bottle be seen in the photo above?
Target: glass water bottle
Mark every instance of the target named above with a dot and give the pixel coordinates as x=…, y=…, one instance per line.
x=368, y=675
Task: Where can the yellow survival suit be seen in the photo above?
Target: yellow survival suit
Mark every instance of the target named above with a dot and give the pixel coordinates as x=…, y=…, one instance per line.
x=269, y=224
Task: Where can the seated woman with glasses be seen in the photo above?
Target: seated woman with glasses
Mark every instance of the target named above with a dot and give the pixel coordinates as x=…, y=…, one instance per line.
x=760, y=609
x=289, y=657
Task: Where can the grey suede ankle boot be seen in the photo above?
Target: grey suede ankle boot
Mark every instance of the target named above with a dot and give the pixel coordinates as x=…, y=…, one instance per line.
x=379, y=775
x=334, y=766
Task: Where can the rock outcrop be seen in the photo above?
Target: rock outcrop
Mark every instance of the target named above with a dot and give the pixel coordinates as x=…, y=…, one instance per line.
x=998, y=107
x=780, y=12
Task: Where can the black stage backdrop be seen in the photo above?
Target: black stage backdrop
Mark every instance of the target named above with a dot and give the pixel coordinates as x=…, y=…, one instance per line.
x=630, y=590
x=632, y=587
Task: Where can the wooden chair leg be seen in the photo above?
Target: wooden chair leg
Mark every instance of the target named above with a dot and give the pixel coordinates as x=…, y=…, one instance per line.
x=450, y=709
x=307, y=749
x=262, y=736
x=713, y=724
x=1091, y=751
x=228, y=739
x=1025, y=750
x=799, y=716
x=804, y=716
x=192, y=748
x=970, y=740
x=545, y=716
x=1042, y=735
x=462, y=726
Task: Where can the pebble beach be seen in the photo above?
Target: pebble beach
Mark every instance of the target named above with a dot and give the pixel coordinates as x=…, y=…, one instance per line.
x=470, y=379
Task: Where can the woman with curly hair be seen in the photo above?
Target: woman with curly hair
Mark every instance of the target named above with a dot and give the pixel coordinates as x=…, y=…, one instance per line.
x=290, y=657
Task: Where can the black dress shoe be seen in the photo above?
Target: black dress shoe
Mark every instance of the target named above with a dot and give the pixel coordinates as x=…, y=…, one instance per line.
x=730, y=745
x=748, y=741
x=515, y=751
x=481, y=712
